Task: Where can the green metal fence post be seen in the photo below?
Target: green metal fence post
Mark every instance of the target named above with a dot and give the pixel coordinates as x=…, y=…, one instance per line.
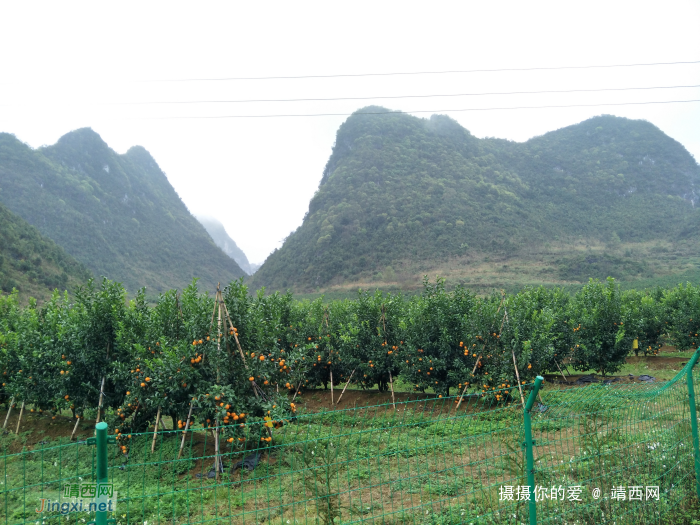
x=694, y=419
x=101, y=435
x=529, y=456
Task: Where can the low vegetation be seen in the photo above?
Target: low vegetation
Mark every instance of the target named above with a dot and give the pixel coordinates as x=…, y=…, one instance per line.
x=33, y=264
x=239, y=358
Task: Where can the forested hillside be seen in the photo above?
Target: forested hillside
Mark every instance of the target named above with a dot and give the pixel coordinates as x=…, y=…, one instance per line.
x=32, y=264
x=402, y=195
x=222, y=239
x=116, y=214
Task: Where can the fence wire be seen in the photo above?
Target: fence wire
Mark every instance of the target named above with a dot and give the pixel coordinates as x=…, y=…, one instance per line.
x=614, y=453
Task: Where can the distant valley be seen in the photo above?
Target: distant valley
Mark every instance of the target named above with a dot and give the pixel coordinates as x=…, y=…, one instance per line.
x=217, y=232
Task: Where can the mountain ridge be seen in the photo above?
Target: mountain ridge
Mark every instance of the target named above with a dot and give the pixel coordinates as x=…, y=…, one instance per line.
x=116, y=213
x=403, y=195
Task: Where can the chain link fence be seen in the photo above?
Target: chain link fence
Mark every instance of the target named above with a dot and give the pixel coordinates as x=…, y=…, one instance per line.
x=624, y=453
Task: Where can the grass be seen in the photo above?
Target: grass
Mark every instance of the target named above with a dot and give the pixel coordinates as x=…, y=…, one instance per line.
x=666, y=264
x=421, y=463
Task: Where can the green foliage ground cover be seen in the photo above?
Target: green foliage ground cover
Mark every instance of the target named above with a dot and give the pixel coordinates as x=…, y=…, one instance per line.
x=422, y=463
x=31, y=263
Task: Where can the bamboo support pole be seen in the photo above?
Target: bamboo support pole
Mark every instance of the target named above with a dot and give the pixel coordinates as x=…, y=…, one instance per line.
x=461, y=397
x=517, y=375
x=219, y=300
x=560, y=371
x=391, y=386
x=346, y=385
x=512, y=351
x=332, y=403
x=19, y=420
x=155, y=432
x=184, y=433
x=75, y=428
x=213, y=312
x=99, y=404
x=216, y=451
x=9, y=409
x=476, y=364
x=298, y=389
x=235, y=336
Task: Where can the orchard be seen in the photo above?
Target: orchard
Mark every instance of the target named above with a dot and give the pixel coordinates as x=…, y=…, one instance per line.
x=232, y=358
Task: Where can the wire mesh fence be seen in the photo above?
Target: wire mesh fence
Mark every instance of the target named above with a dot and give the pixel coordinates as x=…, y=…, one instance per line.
x=604, y=453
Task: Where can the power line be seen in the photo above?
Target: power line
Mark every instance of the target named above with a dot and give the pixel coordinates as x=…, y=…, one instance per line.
x=400, y=73
x=424, y=110
x=246, y=101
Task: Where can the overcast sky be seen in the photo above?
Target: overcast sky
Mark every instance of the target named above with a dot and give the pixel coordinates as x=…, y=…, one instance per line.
x=112, y=66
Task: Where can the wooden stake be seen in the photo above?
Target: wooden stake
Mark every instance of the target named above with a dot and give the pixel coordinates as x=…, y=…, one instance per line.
x=476, y=364
x=517, y=375
x=184, y=434
x=75, y=428
x=512, y=351
x=238, y=344
x=9, y=409
x=562, y=373
x=240, y=350
x=461, y=397
x=298, y=389
x=503, y=298
x=99, y=405
x=391, y=381
x=216, y=450
x=346, y=385
x=19, y=420
x=391, y=386
x=162, y=425
x=155, y=432
x=213, y=313
x=332, y=387
x=177, y=305
x=219, y=300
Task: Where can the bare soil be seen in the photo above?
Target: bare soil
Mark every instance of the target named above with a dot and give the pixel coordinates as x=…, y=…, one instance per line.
x=660, y=363
x=40, y=427
x=319, y=399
